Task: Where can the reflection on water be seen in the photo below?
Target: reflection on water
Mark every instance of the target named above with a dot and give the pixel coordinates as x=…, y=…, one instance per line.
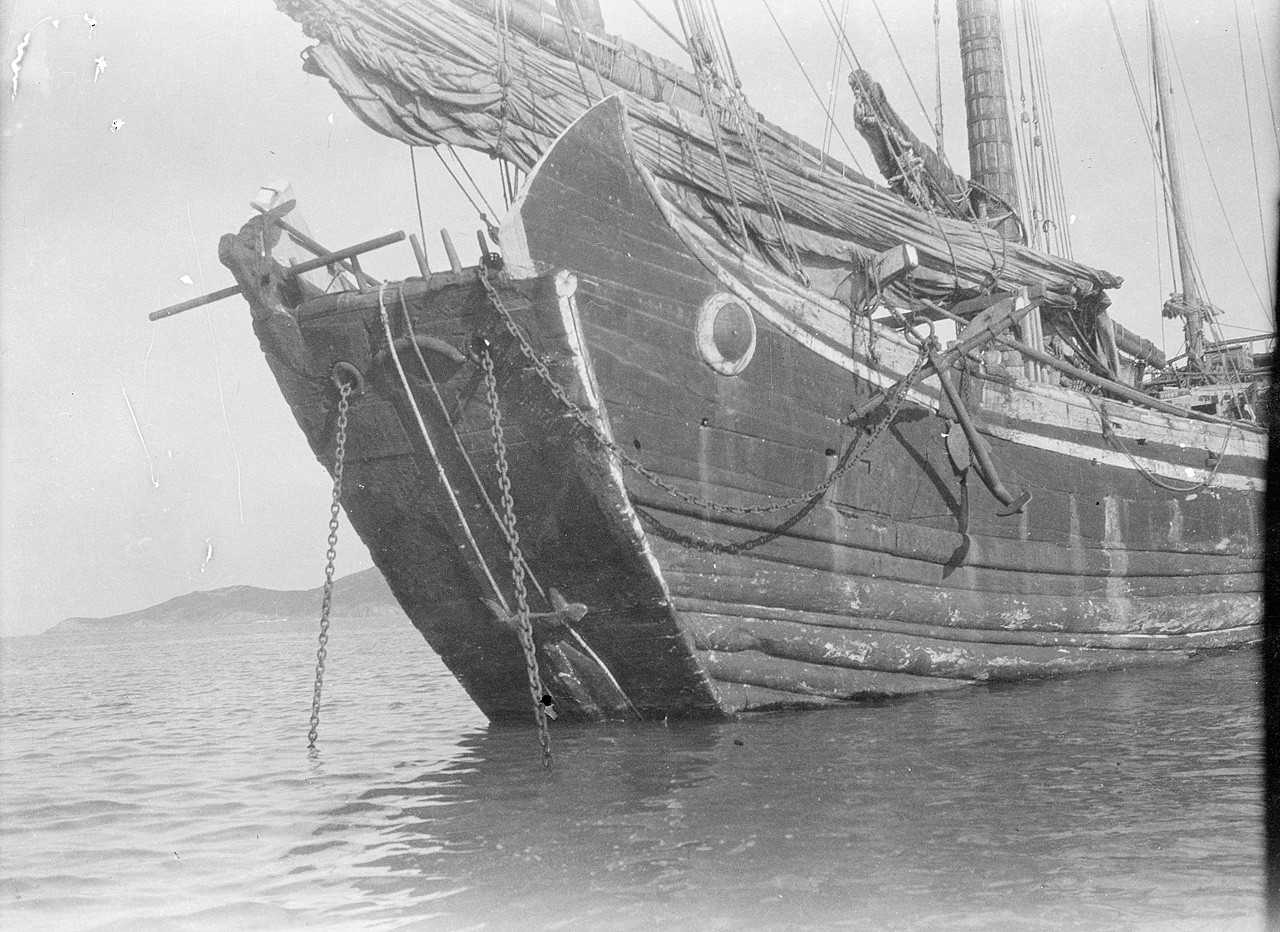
x=168, y=781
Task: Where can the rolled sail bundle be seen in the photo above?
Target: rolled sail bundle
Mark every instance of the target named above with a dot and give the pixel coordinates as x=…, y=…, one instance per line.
x=456, y=73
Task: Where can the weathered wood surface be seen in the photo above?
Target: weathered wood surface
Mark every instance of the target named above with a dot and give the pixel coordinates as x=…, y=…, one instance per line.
x=903, y=578
x=1103, y=569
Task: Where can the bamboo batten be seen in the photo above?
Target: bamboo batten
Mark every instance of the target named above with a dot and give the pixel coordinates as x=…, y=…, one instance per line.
x=433, y=73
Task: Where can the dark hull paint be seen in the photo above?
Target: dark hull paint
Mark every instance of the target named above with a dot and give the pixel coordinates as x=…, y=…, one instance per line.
x=878, y=591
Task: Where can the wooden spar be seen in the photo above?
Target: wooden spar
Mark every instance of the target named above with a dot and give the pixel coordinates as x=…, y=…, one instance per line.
x=450, y=251
x=978, y=444
x=194, y=302
x=1119, y=388
x=991, y=161
x=1131, y=395
x=1194, y=316
x=420, y=255
x=330, y=258
x=316, y=263
x=307, y=243
x=984, y=327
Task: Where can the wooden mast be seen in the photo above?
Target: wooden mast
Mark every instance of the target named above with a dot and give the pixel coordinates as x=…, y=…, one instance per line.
x=1192, y=307
x=991, y=160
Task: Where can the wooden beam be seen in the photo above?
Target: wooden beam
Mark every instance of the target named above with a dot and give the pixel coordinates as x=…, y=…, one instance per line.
x=330, y=258
x=893, y=264
x=307, y=243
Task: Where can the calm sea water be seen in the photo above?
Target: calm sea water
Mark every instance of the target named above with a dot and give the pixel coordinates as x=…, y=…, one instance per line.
x=160, y=780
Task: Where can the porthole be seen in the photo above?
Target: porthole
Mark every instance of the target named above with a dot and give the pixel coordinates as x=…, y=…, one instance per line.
x=726, y=333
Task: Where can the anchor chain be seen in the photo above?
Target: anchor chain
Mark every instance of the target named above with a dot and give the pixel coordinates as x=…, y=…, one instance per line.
x=331, y=556
x=524, y=626
x=895, y=399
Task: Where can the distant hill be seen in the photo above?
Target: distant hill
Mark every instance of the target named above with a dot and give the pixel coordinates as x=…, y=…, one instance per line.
x=358, y=595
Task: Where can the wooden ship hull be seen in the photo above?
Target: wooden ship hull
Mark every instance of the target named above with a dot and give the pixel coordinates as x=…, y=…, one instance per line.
x=731, y=493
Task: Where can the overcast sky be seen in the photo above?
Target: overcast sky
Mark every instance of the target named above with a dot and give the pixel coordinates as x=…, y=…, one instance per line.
x=140, y=460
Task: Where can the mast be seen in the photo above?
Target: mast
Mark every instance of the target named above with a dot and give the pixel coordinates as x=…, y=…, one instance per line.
x=1191, y=307
x=991, y=159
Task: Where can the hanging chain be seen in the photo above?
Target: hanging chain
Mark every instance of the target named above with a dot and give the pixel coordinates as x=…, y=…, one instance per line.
x=331, y=556
x=895, y=399
x=524, y=626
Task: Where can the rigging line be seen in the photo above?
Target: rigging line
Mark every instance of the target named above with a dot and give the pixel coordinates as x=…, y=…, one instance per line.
x=1037, y=142
x=817, y=95
x=937, y=70
x=585, y=46
x=1042, y=140
x=458, y=182
x=1253, y=149
x=657, y=22
x=1055, y=152
x=747, y=120
x=1021, y=132
x=568, y=38
x=1156, y=151
x=1214, y=183
x=923, y=109
x=843, y=38
x=463, y=166
x=1266, y=76
x=834, y=84
x=713, y=119
x=417, y=197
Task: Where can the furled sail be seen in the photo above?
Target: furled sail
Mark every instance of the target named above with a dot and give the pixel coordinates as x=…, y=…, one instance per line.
x=508, y=78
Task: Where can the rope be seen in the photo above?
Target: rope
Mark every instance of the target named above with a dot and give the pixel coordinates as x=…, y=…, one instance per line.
x=830, y=117
x=896, y=397
x=834, y=84
x=903, y=64
x=441, y=476
x=331, y=556
x=708, y=105
x=459, y=445
x=524, y=625
x=461, y=187
x=568, y=39
x=661, y=25
x=1253, y=149
x=1213, y=181
x=937, y=71
x=417, y=197
x=1109, y=434
x=1266, y=76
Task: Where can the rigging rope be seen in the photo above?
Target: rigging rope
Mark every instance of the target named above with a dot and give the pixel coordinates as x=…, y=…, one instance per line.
x=937, y=71
x=1253, y=149
x=817, y=96
x=905, y=70
x=712, y=62
x=1266, y=77
x=417, y=197
x=834, y=84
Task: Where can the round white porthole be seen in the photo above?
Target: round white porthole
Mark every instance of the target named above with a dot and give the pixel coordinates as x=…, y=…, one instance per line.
x=726, y=333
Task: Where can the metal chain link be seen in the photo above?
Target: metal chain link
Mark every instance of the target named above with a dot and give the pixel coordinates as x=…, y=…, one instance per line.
x=524, y=626
x=579, y=416
x=331, y=556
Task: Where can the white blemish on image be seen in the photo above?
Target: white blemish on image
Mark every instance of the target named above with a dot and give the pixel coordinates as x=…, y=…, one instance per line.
x=99, y=66
x=92, y=22
x=116, y=125
x=16, y=65
x=208, y=553
x=155, y=483
x=186, y=280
